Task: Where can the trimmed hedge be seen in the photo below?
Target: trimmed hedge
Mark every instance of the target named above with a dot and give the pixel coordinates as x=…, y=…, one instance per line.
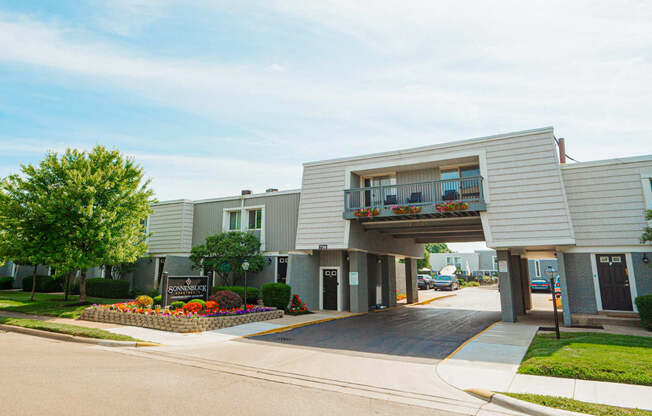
x=6, y=282
x=43, y=284
x=157, y=299
x=177, y=304
x=252, y=292
x=277, y=295
x=644, y=305
x=200, y=301
x=107, y=288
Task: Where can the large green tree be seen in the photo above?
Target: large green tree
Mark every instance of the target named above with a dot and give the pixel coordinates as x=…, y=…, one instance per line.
x=424, y=263
x=229, y=248
x=438, y=248
x=96, y=203
x=647, y=233
x=27, y=232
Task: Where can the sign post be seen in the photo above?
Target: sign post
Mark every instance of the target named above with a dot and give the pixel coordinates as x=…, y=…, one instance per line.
x=551, y=271
x=184, y=288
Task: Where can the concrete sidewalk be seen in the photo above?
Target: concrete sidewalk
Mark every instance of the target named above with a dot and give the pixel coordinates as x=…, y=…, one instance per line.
x=490, y=361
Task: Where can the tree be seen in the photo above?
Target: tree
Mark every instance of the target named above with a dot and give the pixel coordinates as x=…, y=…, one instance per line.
x=96, y=203
x=647, y=233
x=231, y=248
x=438, y=248
x=424, y=263
x=27, y=234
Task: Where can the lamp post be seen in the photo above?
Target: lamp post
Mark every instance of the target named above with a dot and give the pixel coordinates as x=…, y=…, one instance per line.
x=551, y=272
x=245, y=267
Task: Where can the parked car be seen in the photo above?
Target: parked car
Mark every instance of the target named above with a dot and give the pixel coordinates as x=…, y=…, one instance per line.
x=421, y=283
x=430, y=282
x=540, y=285
x=449, y=282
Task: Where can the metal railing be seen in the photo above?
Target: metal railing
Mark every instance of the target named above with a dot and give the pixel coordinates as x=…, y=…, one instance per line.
x=420, y=193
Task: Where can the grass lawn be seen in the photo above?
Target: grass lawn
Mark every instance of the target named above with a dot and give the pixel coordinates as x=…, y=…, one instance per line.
x=79, y=331
x=591, y=356
x=577, y=406
x=46, y=304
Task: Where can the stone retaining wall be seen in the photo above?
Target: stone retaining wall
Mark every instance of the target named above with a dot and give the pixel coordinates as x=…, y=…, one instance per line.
x=176, y=323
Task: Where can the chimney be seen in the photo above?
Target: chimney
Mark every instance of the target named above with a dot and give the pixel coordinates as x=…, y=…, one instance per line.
x=562, y=150
x=271, y=190
x=246, y=192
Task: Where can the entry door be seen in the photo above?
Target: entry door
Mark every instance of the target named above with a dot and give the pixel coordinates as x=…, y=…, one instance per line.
x=614, y=282
x=281, y=269
x=329, y=282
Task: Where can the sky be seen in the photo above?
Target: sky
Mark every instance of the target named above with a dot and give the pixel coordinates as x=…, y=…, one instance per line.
x=212, y=97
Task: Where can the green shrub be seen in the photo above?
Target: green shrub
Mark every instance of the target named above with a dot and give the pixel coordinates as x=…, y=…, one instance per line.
x=153, y=293
x=177, y=304
x=157, y=299
x=252, y=292
x=226, y=299
x=200, y=301
x=276, y=295
x=644, y=305
x=6, y=282
x=107, y=288
x=43, y=284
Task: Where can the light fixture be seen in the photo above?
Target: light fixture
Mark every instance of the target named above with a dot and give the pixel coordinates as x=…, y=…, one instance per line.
x=245, y=265
x=645, y=259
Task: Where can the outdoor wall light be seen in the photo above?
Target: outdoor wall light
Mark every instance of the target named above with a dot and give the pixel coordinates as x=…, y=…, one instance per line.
x=245, y=265
x=645, y=259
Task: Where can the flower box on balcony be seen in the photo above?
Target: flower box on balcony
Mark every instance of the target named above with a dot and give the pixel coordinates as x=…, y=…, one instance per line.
x=366, y=212
x=406, y=209
x=451, y=206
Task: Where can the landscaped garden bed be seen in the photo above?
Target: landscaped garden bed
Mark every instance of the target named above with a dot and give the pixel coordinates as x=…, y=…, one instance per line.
x=183, y=319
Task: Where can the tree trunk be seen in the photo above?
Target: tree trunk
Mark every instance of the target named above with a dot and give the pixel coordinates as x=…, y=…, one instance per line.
x=67, y=288
x=82, y=286
x=34, y=282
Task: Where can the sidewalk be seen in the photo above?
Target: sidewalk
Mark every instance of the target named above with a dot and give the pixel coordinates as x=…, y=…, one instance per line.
x=490, y=361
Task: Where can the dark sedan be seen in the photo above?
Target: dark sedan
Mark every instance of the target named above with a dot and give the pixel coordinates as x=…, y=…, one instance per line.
x=540, y=285
x=422, y=284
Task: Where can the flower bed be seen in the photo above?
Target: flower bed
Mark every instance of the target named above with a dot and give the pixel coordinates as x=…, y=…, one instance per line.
x=451, y=206
x=178, y=320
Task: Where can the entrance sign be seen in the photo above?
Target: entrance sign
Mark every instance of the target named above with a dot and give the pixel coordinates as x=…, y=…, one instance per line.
x=184, y=288
x=502, y=266
x=353, y=278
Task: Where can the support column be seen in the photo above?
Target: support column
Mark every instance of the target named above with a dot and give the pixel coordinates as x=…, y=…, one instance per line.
x=563, y=282
x=359, y=294
x=507, y=308
x=388, y=280
x=515, y=276
x=525, y=284
x=411, y=290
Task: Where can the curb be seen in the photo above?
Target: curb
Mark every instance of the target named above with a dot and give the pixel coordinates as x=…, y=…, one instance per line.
x=425, y=302
x=519, y=405
x=72, y=338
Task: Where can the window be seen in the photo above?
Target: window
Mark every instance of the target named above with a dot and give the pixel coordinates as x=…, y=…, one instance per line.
x=449, y=261
x=235, y=220
x=495, y=262
x=537, y=268
x=255, y=219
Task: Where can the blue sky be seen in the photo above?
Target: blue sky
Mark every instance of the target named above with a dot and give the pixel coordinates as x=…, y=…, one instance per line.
x=214, y=96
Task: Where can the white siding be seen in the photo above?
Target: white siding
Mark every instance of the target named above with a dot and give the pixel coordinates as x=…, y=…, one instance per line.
x=606, y=202
x=525, y=200
x=171, y=228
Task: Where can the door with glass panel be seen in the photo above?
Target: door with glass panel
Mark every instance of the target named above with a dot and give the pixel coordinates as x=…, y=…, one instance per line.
x=454, y=186
x=381, y=192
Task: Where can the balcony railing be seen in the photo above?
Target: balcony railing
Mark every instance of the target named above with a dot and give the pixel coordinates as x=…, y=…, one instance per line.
x=422, y=194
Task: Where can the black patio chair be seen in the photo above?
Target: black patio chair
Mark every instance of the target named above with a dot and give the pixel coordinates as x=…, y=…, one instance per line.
x=390, y=200
x=414, y=198
x=450, y=195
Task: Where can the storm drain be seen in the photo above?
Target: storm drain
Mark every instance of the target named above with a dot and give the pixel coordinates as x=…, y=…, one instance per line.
x=284, y=339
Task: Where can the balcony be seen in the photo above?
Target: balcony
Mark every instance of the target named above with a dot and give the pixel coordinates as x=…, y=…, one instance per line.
x=446, y=198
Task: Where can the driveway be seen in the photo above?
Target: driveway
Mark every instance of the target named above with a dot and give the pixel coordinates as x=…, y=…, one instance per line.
x=423, y=332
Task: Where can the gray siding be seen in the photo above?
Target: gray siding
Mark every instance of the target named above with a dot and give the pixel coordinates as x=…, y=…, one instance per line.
x=303, y=272
x=171, y=227
x=579, y=277
x=486, y=260
x=525, y=203
x=606, y=202
x=418, y=175
x=6, y=269
x=179, y=266
x=331, y=258
x=643, y=274
x=264, y=276
x=142, y=278
x=207, y=219
x=280, y=220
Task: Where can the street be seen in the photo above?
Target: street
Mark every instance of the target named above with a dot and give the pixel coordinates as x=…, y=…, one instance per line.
x=252, y=376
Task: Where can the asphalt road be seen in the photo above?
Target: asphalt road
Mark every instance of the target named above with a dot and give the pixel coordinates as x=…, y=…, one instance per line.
x=424, y=332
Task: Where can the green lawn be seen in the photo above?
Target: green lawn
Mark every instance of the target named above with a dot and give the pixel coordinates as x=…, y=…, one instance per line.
x=79, y=331
x=577, y=406
x=591, y=356
x=46, y=304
